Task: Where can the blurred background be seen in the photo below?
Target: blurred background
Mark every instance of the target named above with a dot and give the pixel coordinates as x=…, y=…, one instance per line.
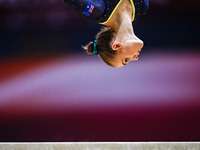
x=51, y=90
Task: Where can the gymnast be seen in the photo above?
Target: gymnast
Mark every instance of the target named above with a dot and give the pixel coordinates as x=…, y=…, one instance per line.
x=116, y=44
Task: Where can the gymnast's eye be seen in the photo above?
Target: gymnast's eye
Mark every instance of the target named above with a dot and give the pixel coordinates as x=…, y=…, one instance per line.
x=126, y=59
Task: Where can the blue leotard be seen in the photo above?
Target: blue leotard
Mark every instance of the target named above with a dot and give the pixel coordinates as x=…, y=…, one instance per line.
x=102, y=10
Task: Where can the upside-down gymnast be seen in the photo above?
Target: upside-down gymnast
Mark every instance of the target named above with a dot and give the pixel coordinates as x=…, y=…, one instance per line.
x=116, y=44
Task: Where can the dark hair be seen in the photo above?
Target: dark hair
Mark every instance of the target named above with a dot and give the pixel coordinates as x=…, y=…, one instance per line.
x=105, y=51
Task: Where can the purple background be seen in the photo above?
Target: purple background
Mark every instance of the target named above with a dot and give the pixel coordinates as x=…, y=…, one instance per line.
x=51, y=90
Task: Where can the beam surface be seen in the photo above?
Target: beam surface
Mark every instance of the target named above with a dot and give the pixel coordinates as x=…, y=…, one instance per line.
x=102, y=146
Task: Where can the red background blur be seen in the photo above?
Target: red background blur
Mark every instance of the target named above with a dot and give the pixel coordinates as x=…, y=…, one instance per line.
x=51, y=90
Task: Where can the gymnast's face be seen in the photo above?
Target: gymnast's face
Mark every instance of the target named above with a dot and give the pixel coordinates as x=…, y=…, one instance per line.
x=127, y=51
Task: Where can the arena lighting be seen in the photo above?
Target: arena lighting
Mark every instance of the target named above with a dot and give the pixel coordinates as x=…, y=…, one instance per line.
x=89, y=83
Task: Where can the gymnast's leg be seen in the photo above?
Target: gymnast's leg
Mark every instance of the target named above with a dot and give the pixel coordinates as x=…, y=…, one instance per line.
x=93, y=9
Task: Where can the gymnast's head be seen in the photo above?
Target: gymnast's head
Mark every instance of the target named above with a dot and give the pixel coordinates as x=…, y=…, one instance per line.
x=113, y=49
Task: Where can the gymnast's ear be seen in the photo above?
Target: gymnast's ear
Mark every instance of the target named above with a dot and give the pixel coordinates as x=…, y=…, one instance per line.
x=117, y=45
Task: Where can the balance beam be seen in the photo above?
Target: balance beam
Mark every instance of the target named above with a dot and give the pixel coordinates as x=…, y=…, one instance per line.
x=102, y=146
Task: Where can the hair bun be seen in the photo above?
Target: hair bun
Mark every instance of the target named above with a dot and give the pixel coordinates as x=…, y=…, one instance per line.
x=89, y=48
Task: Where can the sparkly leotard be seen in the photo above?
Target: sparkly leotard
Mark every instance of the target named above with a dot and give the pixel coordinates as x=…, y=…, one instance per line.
x=102, y=10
